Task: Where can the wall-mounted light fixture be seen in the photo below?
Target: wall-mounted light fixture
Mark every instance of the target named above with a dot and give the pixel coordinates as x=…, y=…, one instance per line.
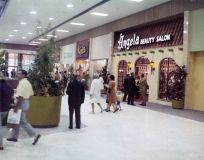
x=170, y=50
x=152, y=52
x=129, y=66
x=129, y=53
x=152, y=65
x=137, y=53
x=144, y=52
x=124, y=54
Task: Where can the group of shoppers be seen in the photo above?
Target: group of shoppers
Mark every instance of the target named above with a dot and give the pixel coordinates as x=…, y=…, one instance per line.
x=135, y=87
x=24, y=92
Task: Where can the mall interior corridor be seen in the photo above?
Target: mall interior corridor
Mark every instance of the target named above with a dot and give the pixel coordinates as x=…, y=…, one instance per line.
x=131, y=134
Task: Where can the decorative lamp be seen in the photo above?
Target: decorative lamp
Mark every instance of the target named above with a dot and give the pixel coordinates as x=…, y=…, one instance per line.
x=152, y=65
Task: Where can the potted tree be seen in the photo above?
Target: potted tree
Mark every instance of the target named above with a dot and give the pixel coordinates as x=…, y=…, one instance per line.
x=177, y=87
x=45, y=105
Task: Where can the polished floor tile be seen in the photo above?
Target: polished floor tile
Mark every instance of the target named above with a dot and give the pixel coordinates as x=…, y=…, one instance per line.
x=131, y=134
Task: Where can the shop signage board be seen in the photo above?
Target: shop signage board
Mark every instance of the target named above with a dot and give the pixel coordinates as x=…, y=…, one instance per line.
x=126, y=43
x=157, y=35
x=82, y=50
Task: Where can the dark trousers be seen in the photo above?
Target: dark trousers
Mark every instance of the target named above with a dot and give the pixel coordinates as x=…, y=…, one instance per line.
x=75, y=109
x=125, y=96
x=131, y=98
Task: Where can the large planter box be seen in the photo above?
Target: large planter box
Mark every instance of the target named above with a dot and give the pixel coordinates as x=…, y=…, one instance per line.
x=44, y=112
x=178, y=104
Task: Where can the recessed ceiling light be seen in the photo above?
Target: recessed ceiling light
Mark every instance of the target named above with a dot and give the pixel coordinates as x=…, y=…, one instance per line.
x=23, y=23
x=43, y=39
x=33, y=12
x=50, y=35
x=30, y=33
x=51, y=18
x=23, y=37
x=38, y=27
x=15, y=30
x=7, y=39
x=62, y=30
x=10, y=35
x=33, y=44
x=136, y=0
x=77, y=24
x=99, y=14
x=69, y=5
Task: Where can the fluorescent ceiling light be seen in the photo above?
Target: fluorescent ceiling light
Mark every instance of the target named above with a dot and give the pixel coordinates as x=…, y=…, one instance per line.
x=10, y=35
x=30, y=33
x=42, y=39
x=23, y=23
x=50, y=35
x=136, y=0
x=38, y=27
x=99, y=14
x=33, y=12
x=62, y=30
x=69, y=5
x=23, y=37
x=35, y=42
x=7, y=39
x=15, y=30
x=77, y=24
x=51, y=18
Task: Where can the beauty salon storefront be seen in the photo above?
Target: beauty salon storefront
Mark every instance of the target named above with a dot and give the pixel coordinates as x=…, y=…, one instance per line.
x=153, y=50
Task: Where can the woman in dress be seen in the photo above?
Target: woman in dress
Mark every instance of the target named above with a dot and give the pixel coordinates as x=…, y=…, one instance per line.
x=95, y=92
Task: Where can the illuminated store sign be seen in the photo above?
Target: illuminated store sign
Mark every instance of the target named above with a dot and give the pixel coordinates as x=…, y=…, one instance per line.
x=126, y=43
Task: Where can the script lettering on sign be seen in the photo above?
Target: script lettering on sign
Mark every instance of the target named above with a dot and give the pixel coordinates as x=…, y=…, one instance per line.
x=136, y=40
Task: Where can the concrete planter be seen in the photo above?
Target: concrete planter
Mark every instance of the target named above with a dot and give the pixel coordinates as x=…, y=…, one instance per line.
x=178, y=104
x=44, y=112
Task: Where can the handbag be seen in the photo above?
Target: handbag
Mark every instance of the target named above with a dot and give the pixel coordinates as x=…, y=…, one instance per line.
x=13, y=119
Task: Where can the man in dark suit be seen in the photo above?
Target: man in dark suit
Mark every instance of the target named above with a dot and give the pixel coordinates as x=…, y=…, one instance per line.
x=126, y=87
x=131, y=91
x=76, y=95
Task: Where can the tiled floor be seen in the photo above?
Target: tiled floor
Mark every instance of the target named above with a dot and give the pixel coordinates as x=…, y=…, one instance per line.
x=134, y=133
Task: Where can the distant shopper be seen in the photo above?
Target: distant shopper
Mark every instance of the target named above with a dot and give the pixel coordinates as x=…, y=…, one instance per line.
x=95, y=92
x=111, y=94
x=5, y=100
x=143, y=90
x=76, y=95
x=13, y=73
x=131, y=89
x=24, y=92
x=126, y=87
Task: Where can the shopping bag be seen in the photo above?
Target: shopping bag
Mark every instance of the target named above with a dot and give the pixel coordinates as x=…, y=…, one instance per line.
x=14, y=118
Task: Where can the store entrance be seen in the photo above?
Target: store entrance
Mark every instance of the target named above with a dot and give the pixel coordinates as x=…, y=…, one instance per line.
x=122, y=71
x=141, y=66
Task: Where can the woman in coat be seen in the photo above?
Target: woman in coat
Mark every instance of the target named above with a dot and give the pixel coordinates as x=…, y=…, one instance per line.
x=5, y=100
x=112, y=94
x=143, y=89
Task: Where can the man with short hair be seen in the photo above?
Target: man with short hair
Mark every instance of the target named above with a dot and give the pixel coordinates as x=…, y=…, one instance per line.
x=76, y=95
x=23, y=93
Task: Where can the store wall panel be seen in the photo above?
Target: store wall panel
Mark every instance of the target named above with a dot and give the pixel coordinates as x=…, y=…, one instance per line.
x=68, y=54
x=101, y=47
x=195, y=87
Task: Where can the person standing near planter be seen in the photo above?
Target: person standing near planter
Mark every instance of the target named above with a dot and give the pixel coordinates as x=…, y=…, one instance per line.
x=23, y=93
x=5, y=100
x=143, y=89
x=76, y=95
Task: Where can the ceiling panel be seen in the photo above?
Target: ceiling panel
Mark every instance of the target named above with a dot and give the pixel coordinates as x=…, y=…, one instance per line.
x=18, y=11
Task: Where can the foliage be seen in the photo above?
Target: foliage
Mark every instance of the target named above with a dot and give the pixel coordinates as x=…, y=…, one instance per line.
x=41, y=74
x=178, y=82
